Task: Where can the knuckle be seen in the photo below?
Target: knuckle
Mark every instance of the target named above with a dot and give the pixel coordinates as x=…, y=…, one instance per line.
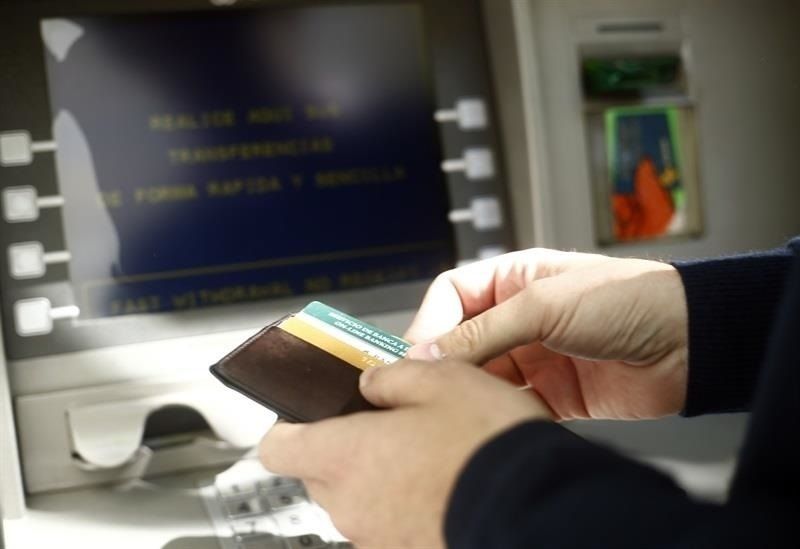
x=467, y=338
x=539, y=311
x=443, y=279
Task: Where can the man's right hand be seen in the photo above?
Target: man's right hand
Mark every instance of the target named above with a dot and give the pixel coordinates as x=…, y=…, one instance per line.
x=594, y=336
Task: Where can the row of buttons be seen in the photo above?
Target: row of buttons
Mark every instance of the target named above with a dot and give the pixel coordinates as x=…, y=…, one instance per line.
x=29, y=260
x=484, y=213
x=22, y=204
x=17, y=148
x=477, y=163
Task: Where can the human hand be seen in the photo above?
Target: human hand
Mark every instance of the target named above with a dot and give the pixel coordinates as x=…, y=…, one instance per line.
x=385, y=476
x=594, y=336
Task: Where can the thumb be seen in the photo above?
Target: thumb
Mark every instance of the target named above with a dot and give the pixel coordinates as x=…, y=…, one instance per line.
x=403, y=383
x=514, y=322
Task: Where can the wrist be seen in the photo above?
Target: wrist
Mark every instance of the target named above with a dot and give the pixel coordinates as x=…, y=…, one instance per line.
x=730, y=304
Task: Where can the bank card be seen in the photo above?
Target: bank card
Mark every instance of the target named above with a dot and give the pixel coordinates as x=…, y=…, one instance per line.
x=348, y=338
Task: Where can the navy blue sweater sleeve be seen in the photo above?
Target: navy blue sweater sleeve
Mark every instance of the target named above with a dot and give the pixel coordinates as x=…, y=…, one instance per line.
x=732, y=302
x=539, y=485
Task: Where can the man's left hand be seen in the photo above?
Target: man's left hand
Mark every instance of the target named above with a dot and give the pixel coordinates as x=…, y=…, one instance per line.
x=385, y=477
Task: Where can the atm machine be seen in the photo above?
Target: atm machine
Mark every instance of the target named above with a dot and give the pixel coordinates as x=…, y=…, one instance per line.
x=177, y=174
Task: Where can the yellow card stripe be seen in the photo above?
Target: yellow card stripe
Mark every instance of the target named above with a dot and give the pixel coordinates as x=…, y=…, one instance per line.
x=328, y=343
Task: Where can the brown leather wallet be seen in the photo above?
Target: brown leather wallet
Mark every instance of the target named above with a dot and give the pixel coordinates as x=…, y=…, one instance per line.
x=298, y=381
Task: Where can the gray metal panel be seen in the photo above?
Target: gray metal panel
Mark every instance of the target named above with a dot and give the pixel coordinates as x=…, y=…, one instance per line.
x=12, y=501
x=745, y=69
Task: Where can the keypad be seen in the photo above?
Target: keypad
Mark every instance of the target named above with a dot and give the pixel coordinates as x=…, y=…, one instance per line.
x=254, y=509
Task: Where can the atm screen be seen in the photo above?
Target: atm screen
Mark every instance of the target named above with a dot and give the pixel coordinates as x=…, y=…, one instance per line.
x=216, y=158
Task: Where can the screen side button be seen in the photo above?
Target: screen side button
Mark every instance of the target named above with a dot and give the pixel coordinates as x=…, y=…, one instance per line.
x=20, y=204
x=23, y=203
x=487, y=214
x=26, y=260
x=477, y=163
x=484, y=213
x=15, y=148
x=470, y=114
x=32, y=317
x=35, y=316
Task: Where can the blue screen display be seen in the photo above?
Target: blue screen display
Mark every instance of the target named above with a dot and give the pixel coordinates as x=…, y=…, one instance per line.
x=215, y=158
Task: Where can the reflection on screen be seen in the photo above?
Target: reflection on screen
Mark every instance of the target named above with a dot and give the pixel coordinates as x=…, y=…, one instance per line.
x=210, y=159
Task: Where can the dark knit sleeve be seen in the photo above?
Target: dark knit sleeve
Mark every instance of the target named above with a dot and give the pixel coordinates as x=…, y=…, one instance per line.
x=731, y=303
x=540, y=485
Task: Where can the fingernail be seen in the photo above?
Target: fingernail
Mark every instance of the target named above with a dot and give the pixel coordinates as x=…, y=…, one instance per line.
x=425, y=351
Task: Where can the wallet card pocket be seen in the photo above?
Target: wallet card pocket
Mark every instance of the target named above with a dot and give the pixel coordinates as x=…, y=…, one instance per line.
x=297, y=380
